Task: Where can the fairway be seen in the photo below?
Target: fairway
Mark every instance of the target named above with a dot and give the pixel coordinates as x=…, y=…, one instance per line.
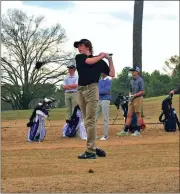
x=149, y=163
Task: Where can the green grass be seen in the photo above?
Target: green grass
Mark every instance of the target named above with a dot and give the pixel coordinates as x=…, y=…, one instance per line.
x=60, y=113
x=154, y=99
x=55, y=114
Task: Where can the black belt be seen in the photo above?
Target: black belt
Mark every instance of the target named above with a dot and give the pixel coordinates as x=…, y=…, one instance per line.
x=71, y=92
x=87, y=86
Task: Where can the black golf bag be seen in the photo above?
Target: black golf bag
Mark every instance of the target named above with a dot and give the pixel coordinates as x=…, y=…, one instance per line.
x=170, y=117
x=37, y=131
x=123, y=102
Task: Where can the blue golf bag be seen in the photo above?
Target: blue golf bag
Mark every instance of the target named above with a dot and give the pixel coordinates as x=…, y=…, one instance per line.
x=75, y=125
x=36, y=124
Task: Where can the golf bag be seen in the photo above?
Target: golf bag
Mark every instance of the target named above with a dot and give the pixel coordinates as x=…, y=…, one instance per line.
x=37, y=131
x=170, y=117
x=75, y=125
x=123, y=102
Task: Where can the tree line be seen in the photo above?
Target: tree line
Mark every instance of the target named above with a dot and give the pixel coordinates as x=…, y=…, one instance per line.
x=156, y=84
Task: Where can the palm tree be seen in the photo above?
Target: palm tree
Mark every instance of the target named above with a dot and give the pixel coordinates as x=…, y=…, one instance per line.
x=137, y=33
x=137, y=36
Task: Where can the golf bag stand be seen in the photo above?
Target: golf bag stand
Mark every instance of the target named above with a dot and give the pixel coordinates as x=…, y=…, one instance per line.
x=118, y=112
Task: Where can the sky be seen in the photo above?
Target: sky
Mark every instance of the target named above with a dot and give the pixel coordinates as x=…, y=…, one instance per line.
x=109, y=26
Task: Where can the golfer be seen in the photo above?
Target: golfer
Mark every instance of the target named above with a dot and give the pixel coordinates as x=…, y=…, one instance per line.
x=136, y=99
x=89, y=69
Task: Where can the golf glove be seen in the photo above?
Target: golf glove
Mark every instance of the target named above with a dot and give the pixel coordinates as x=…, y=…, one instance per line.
x=108, y=56
x=131, y=98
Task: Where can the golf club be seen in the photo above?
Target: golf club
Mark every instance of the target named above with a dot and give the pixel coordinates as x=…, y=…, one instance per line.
x=39, y=64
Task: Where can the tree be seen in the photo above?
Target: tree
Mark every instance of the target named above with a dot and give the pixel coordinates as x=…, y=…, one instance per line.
x=172, y=67
x=137, y=33
x=25, y=41
x=60, y=97
x=121, y=83
x=159, y=84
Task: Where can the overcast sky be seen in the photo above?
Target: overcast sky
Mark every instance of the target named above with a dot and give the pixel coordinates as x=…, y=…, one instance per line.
x=108, y=25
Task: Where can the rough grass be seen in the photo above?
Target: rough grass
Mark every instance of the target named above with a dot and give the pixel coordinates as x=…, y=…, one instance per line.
x=149, y=163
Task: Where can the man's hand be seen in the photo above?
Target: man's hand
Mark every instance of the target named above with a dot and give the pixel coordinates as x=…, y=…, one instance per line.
x=107, y=56
x=172, y=92
x=67, y=88
x=131, y=97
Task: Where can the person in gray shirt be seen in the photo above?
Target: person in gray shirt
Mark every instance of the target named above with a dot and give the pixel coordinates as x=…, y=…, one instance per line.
x=135, y=102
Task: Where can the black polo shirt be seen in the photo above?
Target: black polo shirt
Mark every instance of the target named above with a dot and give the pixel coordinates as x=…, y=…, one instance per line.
x=89, y=74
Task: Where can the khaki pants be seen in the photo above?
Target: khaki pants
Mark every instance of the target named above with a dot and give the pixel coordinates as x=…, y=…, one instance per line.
x=70, y=102
x=87, y=99
x=135, y=105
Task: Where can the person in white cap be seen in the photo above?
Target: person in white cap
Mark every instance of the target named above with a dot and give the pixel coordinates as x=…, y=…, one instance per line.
x=135, y=102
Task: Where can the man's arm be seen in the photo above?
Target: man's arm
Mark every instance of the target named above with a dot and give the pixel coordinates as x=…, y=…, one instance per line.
x=111, y=68
x=75, y=85
x=141, y=87
x=141, y=93
x=71, y=86
x=65, y=86
x=94, y=60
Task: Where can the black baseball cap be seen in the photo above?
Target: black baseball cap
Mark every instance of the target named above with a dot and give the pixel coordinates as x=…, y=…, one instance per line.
x=135, y=69
x=86, y=42
x=71, y=67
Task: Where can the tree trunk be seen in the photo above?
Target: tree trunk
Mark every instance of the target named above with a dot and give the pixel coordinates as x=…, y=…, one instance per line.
x=137, y=34
x=26, y=99
x=25, y=104
x=137, y=37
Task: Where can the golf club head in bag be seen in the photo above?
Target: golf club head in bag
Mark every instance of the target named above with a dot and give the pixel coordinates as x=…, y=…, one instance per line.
x=39, y=64
x=120, y=100
x=48, y=103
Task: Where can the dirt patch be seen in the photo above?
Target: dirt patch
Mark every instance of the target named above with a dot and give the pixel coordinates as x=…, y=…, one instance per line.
x=149, y=163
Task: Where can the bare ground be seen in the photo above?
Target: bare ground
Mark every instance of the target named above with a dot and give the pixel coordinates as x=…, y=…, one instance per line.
x=149, y=163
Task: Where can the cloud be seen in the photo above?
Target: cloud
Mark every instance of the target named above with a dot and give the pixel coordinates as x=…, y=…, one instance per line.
x=10, y=5
x=109, y=26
